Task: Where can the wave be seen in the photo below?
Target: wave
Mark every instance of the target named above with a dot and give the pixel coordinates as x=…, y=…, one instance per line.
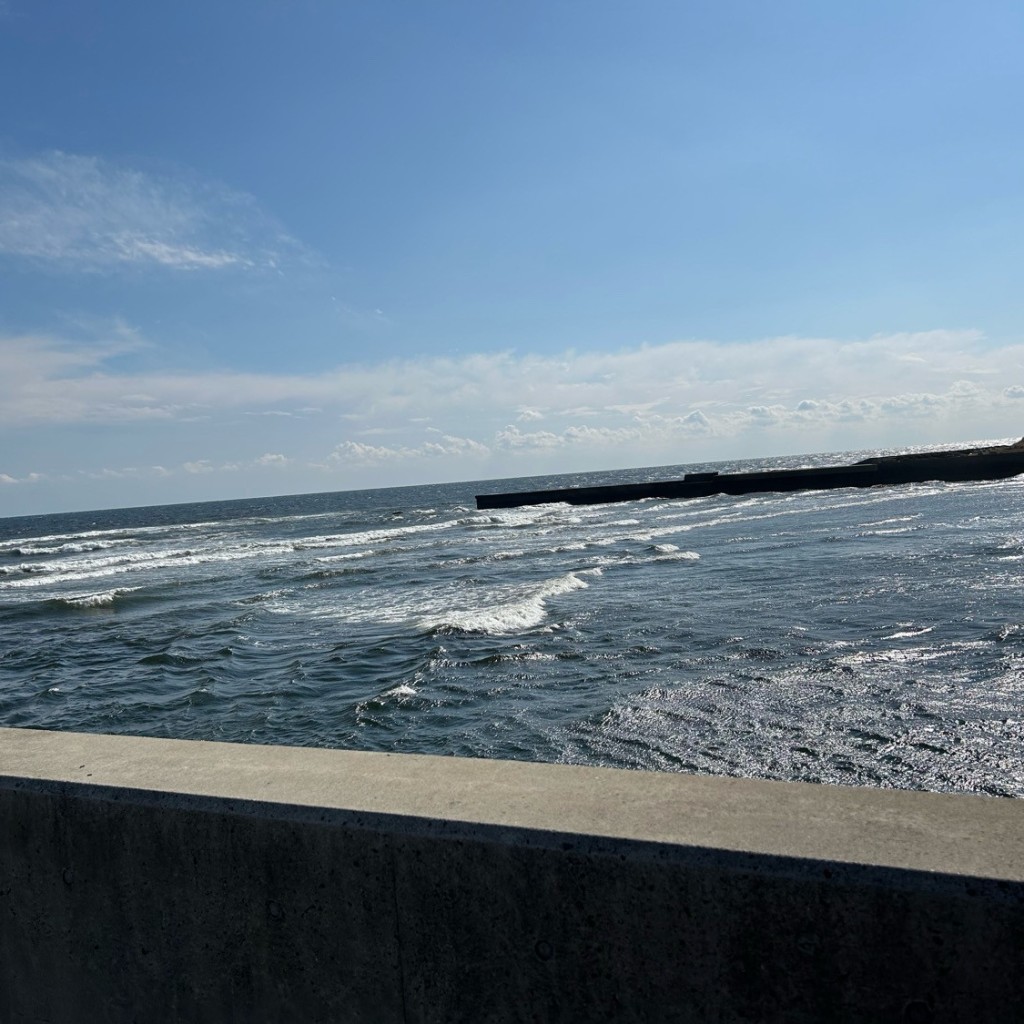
x=116, y=533
x=527, y=515
x=369, y=536
x=403, y=690
x=37, y=550
x=894, y=519
x=894, y=531
x=348, y=556
x=908, y=656
x=908, y=630
x=678, y=556
x=24, y=569
x=102, y=599
x=526, y=612
x=112, y=535
x=47, y=573
x=671, y=552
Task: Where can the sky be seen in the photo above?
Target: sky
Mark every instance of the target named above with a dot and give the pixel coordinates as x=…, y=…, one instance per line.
x=261, y=247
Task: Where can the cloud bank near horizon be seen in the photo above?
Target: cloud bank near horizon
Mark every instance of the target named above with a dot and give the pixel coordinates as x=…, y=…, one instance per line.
x=506, y=413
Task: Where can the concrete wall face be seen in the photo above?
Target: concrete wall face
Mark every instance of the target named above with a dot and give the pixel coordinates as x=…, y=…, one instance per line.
x=113, y=911
x=121, y=904
x=624, y=935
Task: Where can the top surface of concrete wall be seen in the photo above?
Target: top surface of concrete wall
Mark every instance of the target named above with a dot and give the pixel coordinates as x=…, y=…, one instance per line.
x=944, y=833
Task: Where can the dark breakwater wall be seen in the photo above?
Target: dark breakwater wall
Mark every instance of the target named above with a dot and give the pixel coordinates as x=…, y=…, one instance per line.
x=953, y=466
x=167, y=880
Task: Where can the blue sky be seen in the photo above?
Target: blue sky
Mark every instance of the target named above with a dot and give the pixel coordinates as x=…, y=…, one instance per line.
x=293, y=245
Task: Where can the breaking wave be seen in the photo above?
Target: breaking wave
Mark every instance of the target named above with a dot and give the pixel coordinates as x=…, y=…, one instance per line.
x=873, y=637
x=511, y=616
x=103, y=599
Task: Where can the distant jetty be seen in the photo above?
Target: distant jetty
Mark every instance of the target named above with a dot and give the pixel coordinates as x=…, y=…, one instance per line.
x=991, y=463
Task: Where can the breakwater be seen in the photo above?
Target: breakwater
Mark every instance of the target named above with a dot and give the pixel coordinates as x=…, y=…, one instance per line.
x=177, y=880
x=955, y=466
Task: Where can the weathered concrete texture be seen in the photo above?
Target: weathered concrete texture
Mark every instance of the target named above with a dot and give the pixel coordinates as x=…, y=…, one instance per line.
x=167, y=880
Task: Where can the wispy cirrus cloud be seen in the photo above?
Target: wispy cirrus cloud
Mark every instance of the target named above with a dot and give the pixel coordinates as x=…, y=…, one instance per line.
x=82, y=213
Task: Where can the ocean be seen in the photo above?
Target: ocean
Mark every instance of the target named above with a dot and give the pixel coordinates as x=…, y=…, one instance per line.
x=869, y=637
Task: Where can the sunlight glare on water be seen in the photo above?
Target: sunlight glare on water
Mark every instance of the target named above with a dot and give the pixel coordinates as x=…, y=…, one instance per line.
x=853, y=636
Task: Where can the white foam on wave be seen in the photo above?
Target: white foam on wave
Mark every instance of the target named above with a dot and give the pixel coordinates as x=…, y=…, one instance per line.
x=485, y=557
x=904, y=633
x=383, y=535
x=906, y=656
x=525, y=515
x=106, y=597
x=889, y=533
x=348, y=556
x=507, y=556
x=22, y=569
x=461, y=605
x=499, y=617
x=116, y=541
x=651, y=533
x=671, y=553
x=46, y=573
x=403, y=690
x=673, y=506
x=674, y=513
x=266, y=595
x=653, y=555
x=115, y=535
x=890, y=522
x=58, y=539
x=611, y=561
x=38, y=550
x=744, y=512
x=511, y=616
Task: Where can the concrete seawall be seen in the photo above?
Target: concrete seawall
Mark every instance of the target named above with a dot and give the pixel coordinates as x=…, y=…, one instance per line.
x=157, y=880
x=991, y=464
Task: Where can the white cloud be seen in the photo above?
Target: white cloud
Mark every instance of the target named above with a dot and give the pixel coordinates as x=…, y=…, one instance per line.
x=28, y=478
x=367, y=454
x=914, y=405
x=766, y=415
x=451, y=445
x=696, y=422
x=180, y=257
x=514, y=439
x=357, y=453
x=44, y=380
x=83, y=213
x=432, y=418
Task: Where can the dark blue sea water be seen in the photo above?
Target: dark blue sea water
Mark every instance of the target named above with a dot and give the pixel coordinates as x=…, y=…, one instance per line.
x=855, y=636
